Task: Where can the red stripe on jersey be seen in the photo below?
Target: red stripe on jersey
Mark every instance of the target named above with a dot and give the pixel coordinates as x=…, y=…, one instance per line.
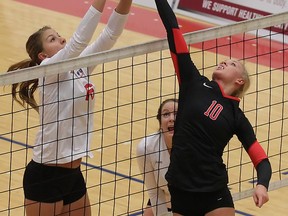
x=227, y=96
x=176, y=66
x=180, y=43
x=256, y=153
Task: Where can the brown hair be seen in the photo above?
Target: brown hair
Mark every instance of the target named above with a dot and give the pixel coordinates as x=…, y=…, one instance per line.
x=25, y=90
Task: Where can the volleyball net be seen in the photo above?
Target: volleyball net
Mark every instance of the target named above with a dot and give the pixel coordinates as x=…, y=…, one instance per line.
x=131, y=82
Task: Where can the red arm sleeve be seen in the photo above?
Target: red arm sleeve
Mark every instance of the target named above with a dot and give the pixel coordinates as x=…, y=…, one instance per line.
x=256, y=153
x=261, y=163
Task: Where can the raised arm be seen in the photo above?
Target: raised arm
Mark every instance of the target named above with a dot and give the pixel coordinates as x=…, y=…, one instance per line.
x=111, y=32
x=82, y=35
x=184, y=67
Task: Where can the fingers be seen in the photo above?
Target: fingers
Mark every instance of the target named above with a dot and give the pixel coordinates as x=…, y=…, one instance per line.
x=255, y=199
x=259, y=202
x=260, y=196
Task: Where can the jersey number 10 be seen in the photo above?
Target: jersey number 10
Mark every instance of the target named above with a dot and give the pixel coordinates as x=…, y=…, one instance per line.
x=214, y=110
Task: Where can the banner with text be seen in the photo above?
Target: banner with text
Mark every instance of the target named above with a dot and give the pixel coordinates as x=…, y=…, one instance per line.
x=226, y=10
x=270, y=6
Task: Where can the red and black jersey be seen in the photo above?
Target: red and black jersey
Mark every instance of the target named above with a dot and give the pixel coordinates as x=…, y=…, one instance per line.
x=206, y=120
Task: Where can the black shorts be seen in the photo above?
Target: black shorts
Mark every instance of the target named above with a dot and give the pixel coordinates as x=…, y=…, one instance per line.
x=199, y=203
x=51, y=184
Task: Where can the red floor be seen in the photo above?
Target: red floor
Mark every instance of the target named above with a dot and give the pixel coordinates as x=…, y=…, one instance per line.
x=151, y=25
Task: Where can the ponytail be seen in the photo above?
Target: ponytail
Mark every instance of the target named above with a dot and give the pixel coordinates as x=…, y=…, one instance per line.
x=23, y=92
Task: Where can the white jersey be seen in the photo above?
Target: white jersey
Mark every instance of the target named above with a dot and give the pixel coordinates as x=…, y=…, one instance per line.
x=153, y=159
x=67, y=99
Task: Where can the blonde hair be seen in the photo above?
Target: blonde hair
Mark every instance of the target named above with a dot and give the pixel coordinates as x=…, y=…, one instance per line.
x=243, y=89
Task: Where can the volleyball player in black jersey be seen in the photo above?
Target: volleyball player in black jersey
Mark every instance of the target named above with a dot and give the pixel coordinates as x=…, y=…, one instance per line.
x=208, y=116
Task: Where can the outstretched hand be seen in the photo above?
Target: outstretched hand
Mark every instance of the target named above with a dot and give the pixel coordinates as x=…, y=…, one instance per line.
x=260, y=195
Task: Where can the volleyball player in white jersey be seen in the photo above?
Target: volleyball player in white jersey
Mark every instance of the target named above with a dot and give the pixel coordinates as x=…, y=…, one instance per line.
x=53, y=183
x=153, y=157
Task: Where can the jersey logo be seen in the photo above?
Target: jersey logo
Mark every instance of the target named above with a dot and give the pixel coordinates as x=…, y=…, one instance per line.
x=89, y=91
x=204, y=84
x=79, y=73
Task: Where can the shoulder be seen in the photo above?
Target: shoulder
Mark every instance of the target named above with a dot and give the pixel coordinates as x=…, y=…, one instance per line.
x=55, y=77
x=147, y=144
x=243, y=124
x=240, y=115
x=45, y=61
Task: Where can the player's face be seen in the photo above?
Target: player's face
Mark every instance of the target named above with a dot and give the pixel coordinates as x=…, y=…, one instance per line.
x=228, y=71
x=52, y=43
x=168, y=116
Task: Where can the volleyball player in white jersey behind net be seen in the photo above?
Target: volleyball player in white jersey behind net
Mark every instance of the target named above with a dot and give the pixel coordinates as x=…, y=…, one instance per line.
x=53, y=182
x=153, y=157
